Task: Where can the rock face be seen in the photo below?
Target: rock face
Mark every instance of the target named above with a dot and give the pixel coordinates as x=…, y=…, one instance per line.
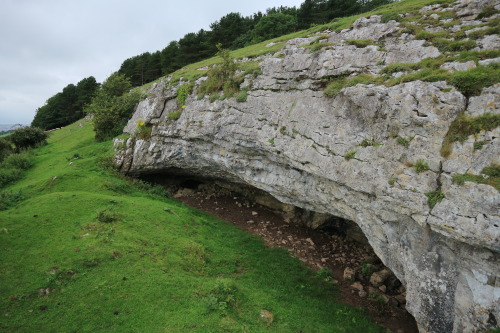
x=356, y=156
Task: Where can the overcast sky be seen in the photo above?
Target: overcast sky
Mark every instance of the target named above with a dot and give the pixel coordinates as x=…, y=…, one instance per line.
x=48, y=44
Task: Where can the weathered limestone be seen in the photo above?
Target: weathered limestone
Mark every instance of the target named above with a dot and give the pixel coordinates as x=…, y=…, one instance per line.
x=292, y=142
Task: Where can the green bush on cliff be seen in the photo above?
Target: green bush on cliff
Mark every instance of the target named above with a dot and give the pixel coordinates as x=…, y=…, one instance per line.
x=222, y=76
x=183, y=92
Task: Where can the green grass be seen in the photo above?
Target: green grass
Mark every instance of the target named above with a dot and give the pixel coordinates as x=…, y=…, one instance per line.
x=250, y=67
x=403, y=142
x=85, y=250
x=481, y=33
x=175, y=115
x=350, y=155
x=360, y=43
x=463, y=126
x=317, y=47
x=421, y=166
x=242, y=97
x=492, y=178
x=434, y=197
x=487, y=12
x=336, y=84
x=470, y=83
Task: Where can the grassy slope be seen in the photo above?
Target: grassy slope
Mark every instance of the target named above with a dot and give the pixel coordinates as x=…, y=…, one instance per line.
x=151, y=270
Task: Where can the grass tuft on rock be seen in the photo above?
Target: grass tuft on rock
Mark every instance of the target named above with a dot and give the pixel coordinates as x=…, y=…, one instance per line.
x=433, y=197
x=490, y=176
x=463, y=126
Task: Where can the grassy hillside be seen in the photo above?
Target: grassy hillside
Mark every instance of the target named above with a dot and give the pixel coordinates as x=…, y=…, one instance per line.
x=88, y=251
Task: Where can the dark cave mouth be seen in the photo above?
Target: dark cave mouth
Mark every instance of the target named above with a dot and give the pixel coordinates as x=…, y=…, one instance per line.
x=339, y=244
x=175, y=180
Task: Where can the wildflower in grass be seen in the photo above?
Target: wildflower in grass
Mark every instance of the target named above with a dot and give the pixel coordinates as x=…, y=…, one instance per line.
x=183, y=106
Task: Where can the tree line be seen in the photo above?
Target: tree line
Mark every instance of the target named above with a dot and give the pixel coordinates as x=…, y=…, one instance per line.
x=235, y=31
x=232, y=31
x=66, y=106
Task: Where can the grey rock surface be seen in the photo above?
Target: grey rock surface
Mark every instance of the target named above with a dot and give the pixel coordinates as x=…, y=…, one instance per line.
x=291, y=141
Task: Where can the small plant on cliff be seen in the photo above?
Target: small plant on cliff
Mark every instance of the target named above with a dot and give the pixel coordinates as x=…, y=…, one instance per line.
x=434, y=197
x=403, y=142
x=142, y=131
x=487, y=12
x=183, y=92
x=367, y=270
x=421, y=166
x=463, y=126
x=350, y=155
x=339, y=82
x=491, y=177
x=360, y=42
x=222, y=76
x=370, y=142
x=478, y=145
x=174, y=115
x=242, y=97
x=472, y=82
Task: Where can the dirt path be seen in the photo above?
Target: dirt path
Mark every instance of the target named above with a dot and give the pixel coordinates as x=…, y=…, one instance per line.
x=317, y=250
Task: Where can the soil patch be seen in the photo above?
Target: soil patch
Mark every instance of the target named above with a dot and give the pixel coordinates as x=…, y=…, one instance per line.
x=316, y=249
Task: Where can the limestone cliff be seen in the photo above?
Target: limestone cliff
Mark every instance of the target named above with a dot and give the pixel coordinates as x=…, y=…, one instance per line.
x=371, y=154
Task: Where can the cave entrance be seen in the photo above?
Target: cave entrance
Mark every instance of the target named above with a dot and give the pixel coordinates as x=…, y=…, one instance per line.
x=333, y=247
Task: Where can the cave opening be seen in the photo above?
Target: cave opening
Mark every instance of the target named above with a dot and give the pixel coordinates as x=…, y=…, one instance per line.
x=325, y=243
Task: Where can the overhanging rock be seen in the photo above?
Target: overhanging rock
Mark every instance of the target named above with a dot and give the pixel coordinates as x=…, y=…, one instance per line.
x=355, y=156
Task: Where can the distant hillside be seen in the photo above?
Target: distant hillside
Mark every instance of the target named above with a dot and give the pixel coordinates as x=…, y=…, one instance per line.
x=8, y=128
